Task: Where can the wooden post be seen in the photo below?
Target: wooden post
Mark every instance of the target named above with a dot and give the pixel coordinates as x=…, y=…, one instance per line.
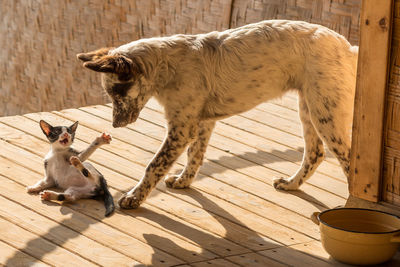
x=366, y=157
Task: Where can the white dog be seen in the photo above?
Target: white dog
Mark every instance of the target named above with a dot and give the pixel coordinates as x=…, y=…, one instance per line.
x=202, y=78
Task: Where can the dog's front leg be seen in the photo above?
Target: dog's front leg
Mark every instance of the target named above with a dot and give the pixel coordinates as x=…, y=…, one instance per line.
x=195, y=156
x=179, y=135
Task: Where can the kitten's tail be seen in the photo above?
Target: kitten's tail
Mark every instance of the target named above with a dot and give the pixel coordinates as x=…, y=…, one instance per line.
x=108, y=199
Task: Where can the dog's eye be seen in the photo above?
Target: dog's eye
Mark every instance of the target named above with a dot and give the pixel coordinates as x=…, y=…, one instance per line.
x=121, y=89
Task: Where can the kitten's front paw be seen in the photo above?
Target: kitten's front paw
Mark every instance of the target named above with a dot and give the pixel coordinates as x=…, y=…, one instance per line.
x=45, y=195
x=285, y=184
x=176, y=181
x=32, y=189
x=74, y=161
x=129, y=201
x=104, y=139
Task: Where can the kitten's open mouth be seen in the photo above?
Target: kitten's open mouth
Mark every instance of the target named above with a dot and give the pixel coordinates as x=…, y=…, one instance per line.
x=64, y=141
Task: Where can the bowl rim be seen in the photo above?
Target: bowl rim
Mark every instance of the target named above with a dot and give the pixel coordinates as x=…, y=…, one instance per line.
x=352, y=231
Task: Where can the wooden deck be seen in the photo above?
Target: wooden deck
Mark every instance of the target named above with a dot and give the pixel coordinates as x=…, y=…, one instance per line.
x=231, y=216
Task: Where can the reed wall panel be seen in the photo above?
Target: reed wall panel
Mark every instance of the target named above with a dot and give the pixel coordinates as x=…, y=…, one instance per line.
x=40, y=38
x=391, y=157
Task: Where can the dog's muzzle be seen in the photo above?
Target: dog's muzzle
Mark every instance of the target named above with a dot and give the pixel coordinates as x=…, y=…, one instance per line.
x=122, y=117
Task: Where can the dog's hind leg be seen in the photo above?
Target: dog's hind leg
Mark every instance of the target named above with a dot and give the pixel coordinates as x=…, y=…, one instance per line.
x=313, y=152
x=195, y=156
x=333, y=123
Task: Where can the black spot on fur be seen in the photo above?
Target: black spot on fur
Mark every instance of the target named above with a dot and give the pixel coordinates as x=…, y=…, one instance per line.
x=326, y=120
x=231, y=100
x=257, y=67
x=46, y=163
x=60, y=197
x=54, y=134
x=85, y=172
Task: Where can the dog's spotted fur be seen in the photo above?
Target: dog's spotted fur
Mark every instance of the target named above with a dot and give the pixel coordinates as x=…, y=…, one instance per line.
x=200, y=79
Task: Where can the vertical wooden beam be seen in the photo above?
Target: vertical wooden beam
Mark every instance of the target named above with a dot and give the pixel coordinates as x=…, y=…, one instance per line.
x=366, y=157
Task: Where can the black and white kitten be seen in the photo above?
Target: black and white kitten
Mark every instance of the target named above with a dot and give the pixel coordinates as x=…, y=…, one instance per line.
x=65, y=168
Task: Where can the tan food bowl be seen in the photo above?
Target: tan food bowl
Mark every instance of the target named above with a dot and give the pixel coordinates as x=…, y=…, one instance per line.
x=359, y=236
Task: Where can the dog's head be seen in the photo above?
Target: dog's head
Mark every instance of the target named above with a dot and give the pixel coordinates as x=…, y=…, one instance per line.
x=122, y=79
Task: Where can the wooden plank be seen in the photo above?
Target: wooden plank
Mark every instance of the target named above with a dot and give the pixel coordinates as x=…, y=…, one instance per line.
x=293, y=257
x=273, y=121
x=315, y=249
x=365, y=162
x=216, y=263
x=61, y=235
x=254, y=260
x=14, y=257
x=38, y=247
x=288, y=101
x=280, y=111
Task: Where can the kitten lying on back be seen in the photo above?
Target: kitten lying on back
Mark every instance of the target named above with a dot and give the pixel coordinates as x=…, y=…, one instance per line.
x=65, y=169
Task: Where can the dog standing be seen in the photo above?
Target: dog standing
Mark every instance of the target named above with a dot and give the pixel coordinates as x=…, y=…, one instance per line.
x=202, y=78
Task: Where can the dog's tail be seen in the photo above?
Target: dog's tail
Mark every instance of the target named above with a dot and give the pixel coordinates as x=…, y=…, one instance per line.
x=108, y=199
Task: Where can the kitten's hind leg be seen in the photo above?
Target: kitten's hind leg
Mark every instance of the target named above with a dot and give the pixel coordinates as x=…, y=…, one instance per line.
x=71, y=194
x=52, y=195
x=79, y=166
x=46, y=182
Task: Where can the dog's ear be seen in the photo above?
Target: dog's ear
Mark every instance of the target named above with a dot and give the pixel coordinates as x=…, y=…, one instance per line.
x=118, y=64
x=94, y=55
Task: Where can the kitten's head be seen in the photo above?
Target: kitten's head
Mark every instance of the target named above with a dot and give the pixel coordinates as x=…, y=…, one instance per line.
x=60, y=137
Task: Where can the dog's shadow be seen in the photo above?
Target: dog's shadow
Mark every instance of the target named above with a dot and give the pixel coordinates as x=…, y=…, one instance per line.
x=234, y=229
x=248, y=159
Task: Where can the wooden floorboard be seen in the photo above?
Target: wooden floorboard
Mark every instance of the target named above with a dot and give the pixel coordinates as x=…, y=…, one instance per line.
x=231, y=215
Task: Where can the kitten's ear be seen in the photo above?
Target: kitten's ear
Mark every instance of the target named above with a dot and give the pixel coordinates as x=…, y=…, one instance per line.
x=46, y=128
x=74, y=126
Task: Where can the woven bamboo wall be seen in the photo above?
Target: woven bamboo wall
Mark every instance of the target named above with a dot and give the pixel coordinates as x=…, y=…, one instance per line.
x=40, y=38
x=339, y=15
x=391, y=158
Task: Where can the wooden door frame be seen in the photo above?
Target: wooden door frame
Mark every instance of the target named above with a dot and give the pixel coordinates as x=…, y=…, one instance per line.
x=369, y=104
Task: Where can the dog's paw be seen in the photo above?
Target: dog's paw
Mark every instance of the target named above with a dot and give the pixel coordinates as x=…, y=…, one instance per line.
x=285, y=184
x=104, y=139
x=129, y=201
x=176, y=182
x=46, y=195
